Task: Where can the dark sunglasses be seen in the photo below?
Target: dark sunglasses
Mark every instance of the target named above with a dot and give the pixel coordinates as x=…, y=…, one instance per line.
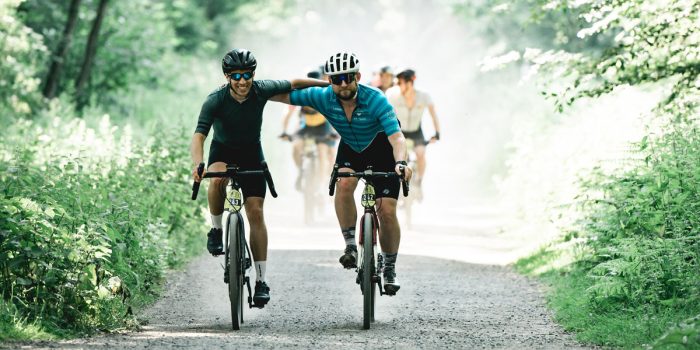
x=338, y=79
x=237, y=76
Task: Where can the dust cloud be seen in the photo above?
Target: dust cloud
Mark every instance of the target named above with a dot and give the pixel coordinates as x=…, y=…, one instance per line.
x=475, y=112
x=425, y=36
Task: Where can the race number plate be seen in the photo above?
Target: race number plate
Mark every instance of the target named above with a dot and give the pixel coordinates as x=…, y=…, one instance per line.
x=368, y=196
x=234, y=199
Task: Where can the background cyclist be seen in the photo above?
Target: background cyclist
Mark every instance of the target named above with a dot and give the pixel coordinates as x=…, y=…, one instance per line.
x=410, y=104
x=312, y=124
x=370, y=136
x=235, y=111
x=384, y=79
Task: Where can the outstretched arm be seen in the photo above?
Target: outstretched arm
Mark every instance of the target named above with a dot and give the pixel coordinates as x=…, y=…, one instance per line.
x=285, y=121
x=299, y=84
x=436, y=124
x=398, y=143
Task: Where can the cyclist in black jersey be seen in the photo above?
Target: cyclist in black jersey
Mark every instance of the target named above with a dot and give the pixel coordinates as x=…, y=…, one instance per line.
x=235, y=112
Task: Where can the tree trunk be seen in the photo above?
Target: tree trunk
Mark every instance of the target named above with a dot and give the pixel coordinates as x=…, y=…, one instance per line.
x=59, y=56
x=90, y=51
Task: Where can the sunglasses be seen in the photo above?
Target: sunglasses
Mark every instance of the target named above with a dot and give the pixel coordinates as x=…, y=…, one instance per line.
x=338, y=79
x=237, y=76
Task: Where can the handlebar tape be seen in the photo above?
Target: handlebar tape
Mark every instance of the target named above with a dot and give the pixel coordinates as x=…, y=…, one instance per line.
x=195, y=185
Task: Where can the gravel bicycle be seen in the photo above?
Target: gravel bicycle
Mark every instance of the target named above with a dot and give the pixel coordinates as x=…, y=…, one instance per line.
x=237, y=255
x=370, y=263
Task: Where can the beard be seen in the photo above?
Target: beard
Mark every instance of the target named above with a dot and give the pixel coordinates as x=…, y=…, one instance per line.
x=346, y=95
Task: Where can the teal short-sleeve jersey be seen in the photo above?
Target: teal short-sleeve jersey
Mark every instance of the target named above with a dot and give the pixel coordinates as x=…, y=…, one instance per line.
x=372, y=116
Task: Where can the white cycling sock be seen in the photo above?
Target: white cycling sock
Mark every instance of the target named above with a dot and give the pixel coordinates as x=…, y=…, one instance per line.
x=216, y=220
x=260, y=268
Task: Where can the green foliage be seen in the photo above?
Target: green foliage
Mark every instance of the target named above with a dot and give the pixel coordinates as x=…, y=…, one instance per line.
x=14, y=326
x=192, y=27
x=685, y=335
x=89, y=225
x=640, y=271
x=135, y=46
x=617, y=326
x=652, y=42
x=21, y=50
x=134, y=37
x=521, y=24
x=91, y=212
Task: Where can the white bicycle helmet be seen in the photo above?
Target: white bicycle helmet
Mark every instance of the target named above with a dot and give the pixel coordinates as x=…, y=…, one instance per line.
x=342, y=62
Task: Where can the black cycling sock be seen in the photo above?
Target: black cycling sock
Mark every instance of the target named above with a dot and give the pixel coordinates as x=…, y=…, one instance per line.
x=349, y=235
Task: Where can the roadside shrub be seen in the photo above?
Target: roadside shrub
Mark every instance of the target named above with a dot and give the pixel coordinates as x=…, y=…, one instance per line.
x=89, y=220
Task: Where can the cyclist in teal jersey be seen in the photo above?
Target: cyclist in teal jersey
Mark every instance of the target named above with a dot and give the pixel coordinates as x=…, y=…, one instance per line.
x=235, y=112
x=370, y=136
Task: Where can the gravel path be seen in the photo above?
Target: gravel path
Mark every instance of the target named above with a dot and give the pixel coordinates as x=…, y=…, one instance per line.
x=316, y=305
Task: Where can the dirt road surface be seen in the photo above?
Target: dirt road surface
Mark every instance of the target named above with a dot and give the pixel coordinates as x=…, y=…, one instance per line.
x=455, y=295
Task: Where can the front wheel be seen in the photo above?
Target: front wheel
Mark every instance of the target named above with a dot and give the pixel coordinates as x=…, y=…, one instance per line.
x=234, y=254
x=368, y=270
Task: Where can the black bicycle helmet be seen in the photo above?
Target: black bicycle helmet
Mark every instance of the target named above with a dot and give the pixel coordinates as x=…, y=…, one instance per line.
x=238, y=59
x=407, y=75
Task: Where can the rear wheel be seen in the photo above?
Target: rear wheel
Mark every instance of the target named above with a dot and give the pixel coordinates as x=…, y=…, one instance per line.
x=235, y=269
x=368, y=270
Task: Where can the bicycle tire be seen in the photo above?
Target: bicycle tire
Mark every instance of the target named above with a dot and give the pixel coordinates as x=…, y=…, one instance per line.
x=368, y=270
x=235, y=285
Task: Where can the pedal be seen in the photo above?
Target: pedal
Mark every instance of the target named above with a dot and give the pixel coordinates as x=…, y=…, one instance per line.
x=390, y=291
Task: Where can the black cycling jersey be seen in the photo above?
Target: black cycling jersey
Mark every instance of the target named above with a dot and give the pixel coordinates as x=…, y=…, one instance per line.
x=238, y=124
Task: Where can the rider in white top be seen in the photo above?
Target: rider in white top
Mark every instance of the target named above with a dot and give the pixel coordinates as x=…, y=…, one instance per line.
x=410, y=104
